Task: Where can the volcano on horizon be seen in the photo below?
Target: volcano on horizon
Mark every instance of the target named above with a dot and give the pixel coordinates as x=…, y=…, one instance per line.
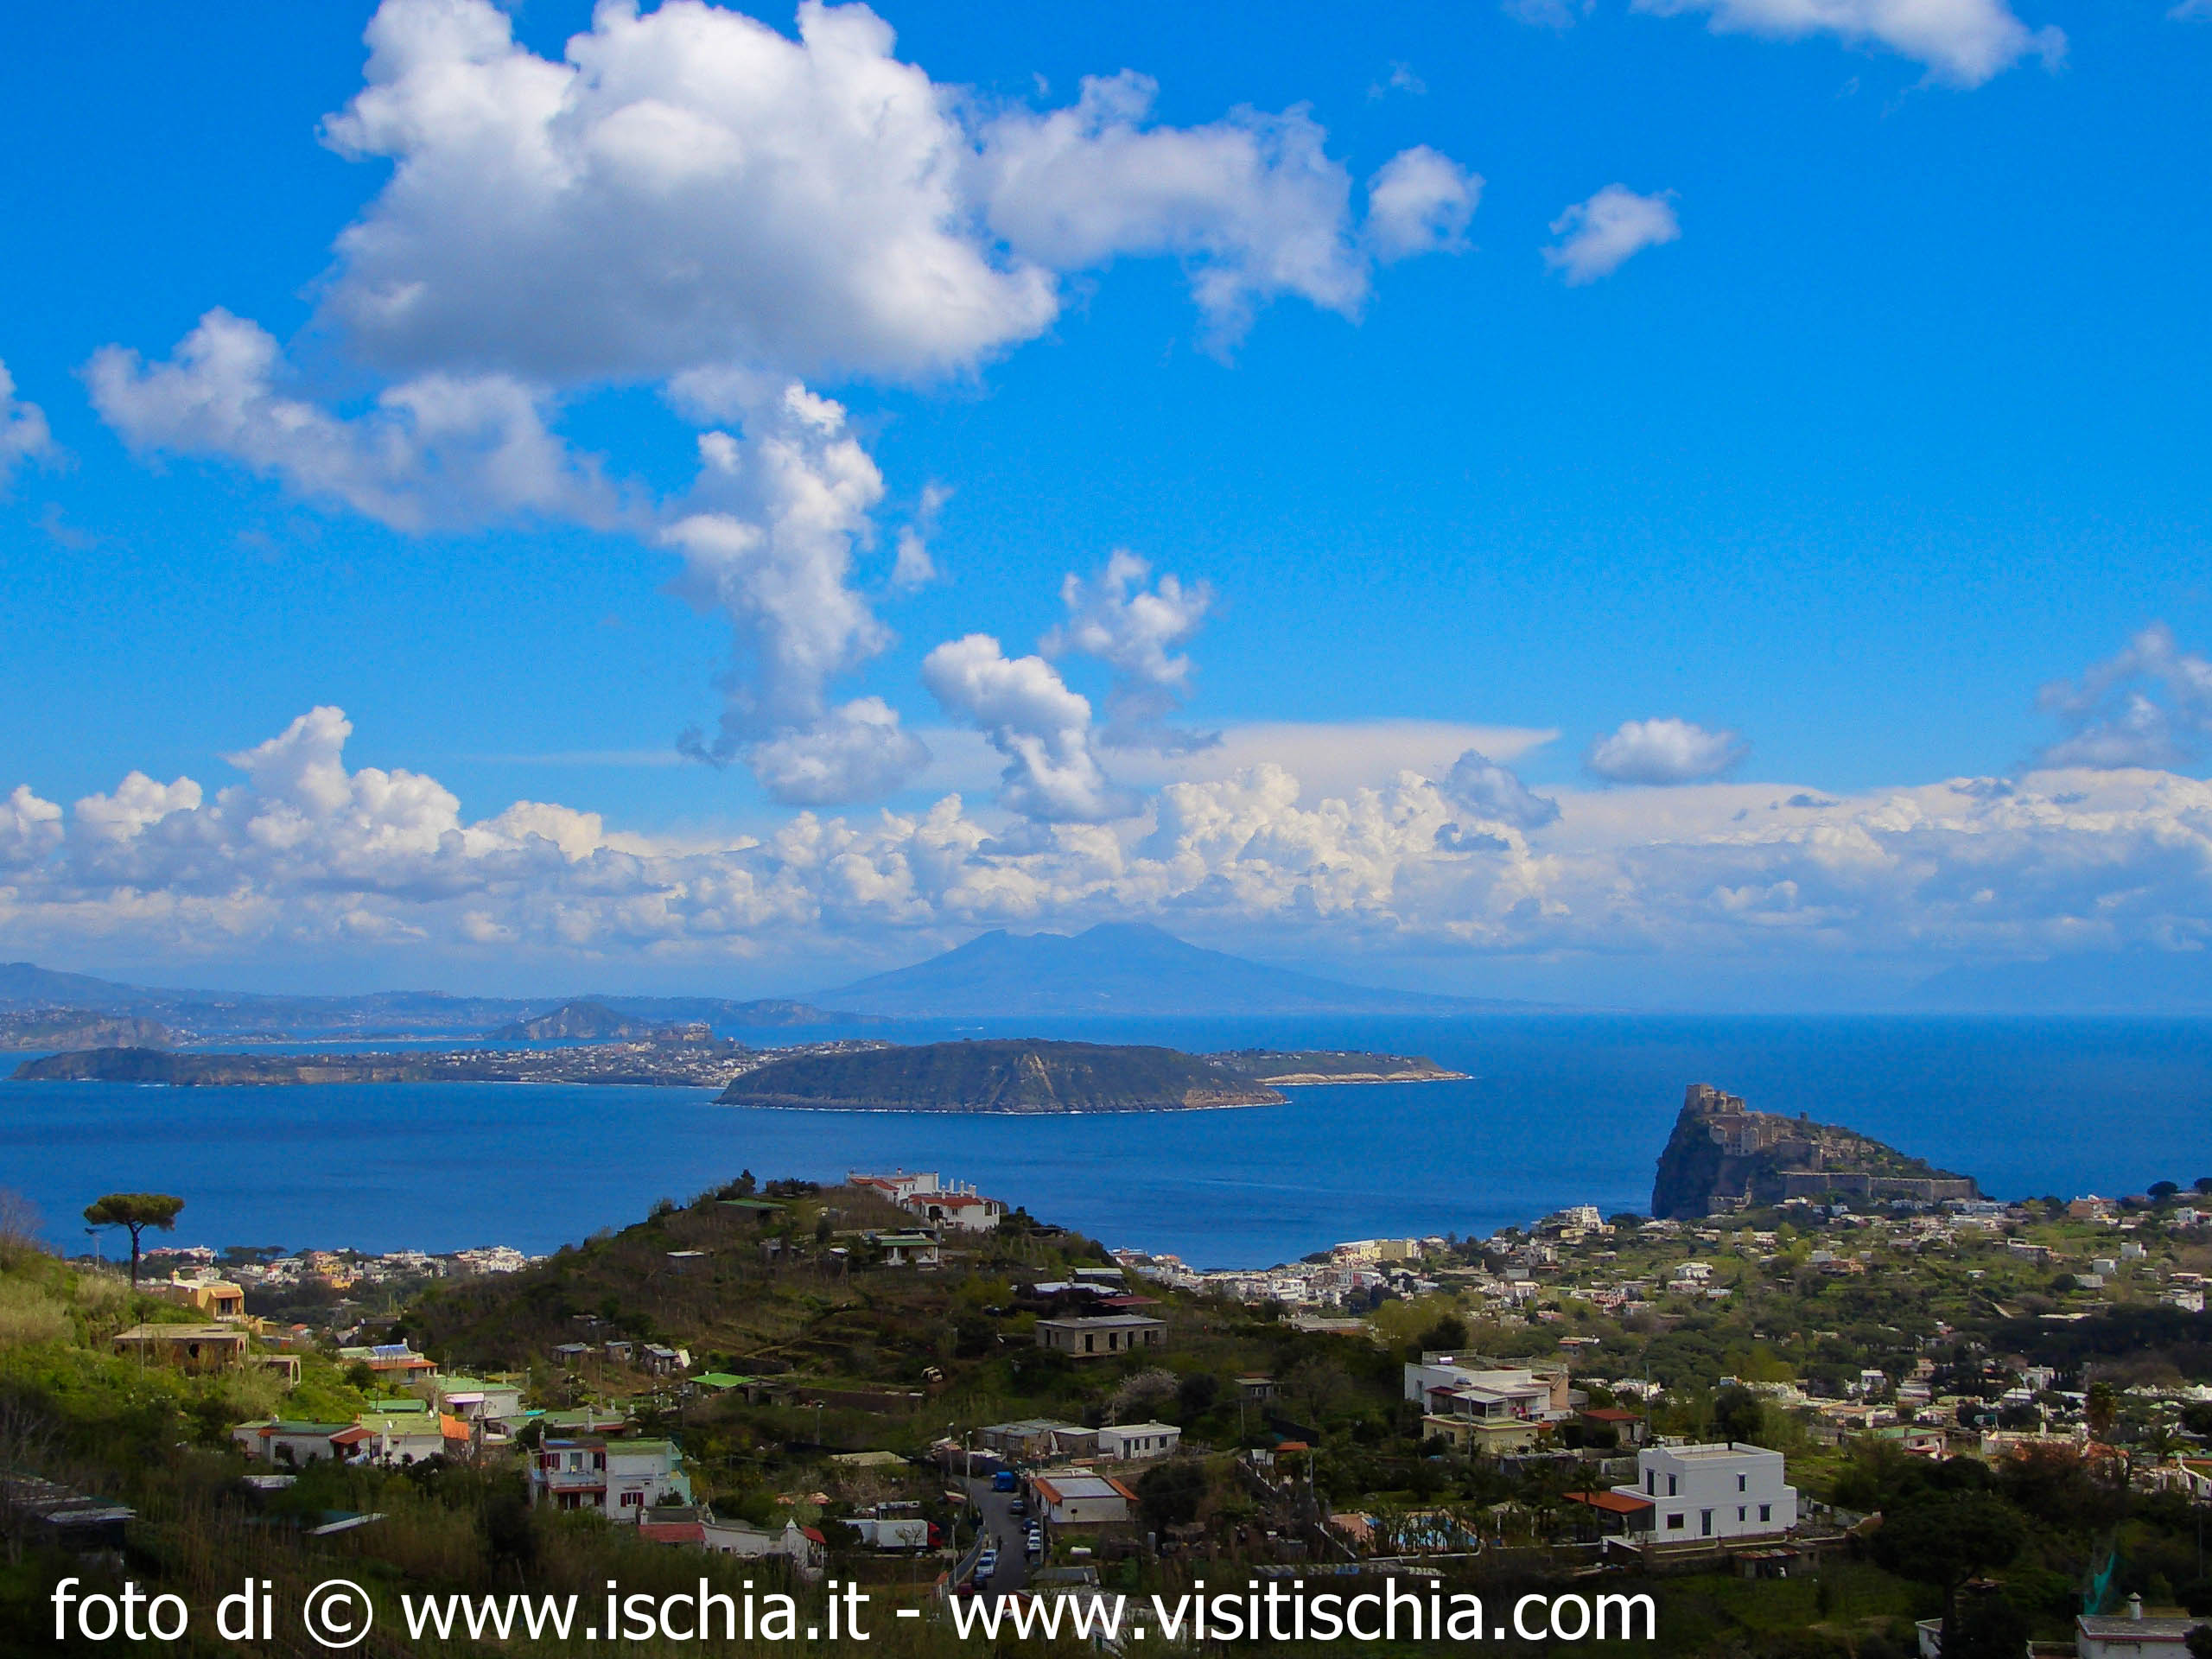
x=1128, y=969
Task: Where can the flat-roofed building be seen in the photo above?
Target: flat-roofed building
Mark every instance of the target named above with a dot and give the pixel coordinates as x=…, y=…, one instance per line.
x=1080, y=1497
x=1127, y=1440
x=1722, y=1491
x=195, y=1348
x=1099, y=1336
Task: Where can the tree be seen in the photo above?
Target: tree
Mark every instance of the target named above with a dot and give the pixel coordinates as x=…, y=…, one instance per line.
x=1738, y=1415
x=1172, y=1491
x=1195, y=1394
x=2199, y=1642
x=1989, y=1627
x=2102, y=1407
x=2163, y=1190
x=1448, y=1335
x=1945, y=1538
x=137, y=1211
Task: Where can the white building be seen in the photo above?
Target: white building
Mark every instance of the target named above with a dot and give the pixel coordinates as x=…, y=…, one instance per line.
x=1539, y=1396
x=1730, y=1491
x=395, y=1436
x=1489, y=1411
x=1079, y=1498
x=286, y=1442
x=897, y=1525
x=2129, y=1634
x=1126, y=1440
x=622, y=1479
x=475, y=1400
x=956, y=1204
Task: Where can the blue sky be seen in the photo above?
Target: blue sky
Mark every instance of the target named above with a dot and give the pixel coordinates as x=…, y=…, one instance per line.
x=1786, y=405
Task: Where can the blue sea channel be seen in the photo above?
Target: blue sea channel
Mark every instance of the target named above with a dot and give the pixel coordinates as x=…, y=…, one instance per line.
x=1559, y=1110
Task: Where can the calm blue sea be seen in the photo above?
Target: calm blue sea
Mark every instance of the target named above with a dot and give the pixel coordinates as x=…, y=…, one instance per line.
x=1561, y=1109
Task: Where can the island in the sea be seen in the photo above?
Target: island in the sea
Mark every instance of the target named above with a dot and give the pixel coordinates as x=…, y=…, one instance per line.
x=1032, y=1075
x=1020, y=1076
x=1724, y=1156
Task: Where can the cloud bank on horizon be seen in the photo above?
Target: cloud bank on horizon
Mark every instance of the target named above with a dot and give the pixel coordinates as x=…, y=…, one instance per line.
x=304, y=854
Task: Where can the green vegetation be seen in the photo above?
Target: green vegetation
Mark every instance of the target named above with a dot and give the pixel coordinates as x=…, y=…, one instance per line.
x=1022, y=1075
x=824, y=1339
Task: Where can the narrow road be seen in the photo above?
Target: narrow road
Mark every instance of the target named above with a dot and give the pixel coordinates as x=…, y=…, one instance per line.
x=1008, y=1531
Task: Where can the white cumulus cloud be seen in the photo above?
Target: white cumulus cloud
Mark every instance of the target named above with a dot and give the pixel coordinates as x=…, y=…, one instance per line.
x=1134, y=629
x=24, y=432
x=1043, y=728
x=770, y=547
x=1597, y=237
x=438, y=449
x=1495, y=794
x=1961, y=42
x=1667, y=751
x=2150, y=704
x=688, y=186
x=1420, y=202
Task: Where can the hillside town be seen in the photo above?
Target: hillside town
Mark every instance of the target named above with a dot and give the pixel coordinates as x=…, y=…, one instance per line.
x=1020, y=1412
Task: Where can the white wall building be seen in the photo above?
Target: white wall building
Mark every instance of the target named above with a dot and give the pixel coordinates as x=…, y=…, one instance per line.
x=624, y=1479
x=1536, y=1396
x=1126, y=1440
x=1730, y=1490
x=1079, y=1497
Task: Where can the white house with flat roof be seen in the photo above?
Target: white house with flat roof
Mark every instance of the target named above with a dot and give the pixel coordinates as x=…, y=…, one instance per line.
x=1126, y=1440
x=2130, y=1634
x=1696, y=1492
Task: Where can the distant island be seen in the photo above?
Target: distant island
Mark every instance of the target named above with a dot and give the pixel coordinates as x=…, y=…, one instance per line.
x=1724, y=1156
x=1299, y=1068
x=851, y=1074
x=704, y=1062
x=1032, y=1076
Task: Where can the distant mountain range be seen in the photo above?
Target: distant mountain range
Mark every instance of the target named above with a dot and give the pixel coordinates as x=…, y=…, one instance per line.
x=383, y=1013
x=1113, y=970
x=1124, y=969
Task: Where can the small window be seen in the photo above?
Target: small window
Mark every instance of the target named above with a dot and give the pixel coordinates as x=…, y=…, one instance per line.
x=1743, y=1482
x=1673, y=1523
x=1674, y=1485
x=1705, y=1523
x=1651, y=1482
x=1766, y=1511
x=1740, y=1515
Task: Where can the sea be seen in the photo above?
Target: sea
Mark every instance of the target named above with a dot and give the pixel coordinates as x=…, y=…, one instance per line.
x=1558, y=1109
